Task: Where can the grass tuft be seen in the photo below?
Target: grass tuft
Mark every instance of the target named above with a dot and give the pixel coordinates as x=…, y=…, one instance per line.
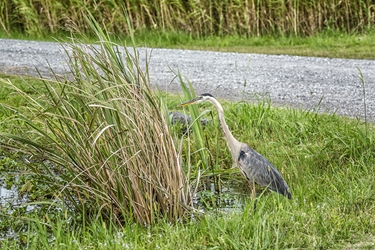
x=101, y=138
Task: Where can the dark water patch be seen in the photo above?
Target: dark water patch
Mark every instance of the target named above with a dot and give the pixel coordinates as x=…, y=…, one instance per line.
x=226, y=199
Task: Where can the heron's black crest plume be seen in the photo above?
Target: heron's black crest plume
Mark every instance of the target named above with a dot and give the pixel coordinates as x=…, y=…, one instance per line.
x=207, y=94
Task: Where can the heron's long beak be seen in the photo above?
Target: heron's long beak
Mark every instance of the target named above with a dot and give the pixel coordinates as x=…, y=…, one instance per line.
x=190, y=102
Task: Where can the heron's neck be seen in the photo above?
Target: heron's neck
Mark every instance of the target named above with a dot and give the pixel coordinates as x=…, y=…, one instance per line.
x=233, y=144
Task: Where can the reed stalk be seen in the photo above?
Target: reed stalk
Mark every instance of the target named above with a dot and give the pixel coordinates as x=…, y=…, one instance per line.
x=200, y=18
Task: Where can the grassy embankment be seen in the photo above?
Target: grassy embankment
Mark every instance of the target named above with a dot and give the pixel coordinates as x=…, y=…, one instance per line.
x=327, y=160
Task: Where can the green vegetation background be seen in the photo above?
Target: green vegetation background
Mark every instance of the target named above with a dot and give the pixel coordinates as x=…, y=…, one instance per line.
x=333, y=28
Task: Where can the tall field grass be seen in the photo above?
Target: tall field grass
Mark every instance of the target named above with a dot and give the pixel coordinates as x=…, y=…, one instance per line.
x=200, y=18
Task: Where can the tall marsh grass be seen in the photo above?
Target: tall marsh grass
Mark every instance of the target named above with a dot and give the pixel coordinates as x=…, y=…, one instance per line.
x=102, y=138
x=200, y=18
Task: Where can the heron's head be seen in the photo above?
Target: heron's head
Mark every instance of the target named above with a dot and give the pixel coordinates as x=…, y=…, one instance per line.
x=198, y=99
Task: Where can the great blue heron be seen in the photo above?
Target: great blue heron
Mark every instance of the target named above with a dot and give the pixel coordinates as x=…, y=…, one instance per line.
x=253, y=165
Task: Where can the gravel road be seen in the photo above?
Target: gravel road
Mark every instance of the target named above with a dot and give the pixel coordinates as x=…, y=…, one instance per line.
x=288, y=80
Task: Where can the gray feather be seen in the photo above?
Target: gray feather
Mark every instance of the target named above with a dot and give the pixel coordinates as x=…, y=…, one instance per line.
x=258, y=169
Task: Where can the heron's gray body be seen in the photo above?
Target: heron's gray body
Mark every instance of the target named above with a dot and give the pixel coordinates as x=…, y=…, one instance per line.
x=258, y=169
